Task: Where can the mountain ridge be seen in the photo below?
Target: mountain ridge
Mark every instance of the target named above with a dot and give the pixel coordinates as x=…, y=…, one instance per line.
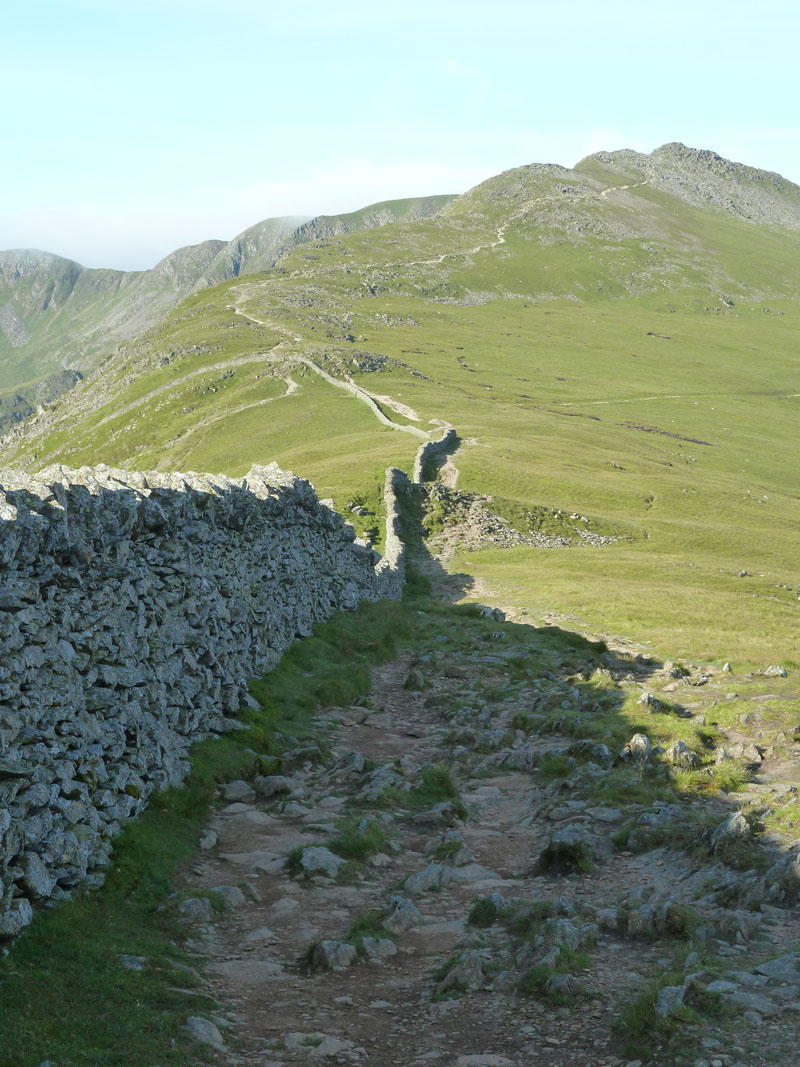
x=81, y=314
x=57, y=314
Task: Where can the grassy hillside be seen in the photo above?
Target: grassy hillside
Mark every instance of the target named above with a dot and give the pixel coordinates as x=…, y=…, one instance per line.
x=607, y=348
x=56, y=314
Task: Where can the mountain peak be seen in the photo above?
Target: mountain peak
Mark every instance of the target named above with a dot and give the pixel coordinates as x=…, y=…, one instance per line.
x=705, y=179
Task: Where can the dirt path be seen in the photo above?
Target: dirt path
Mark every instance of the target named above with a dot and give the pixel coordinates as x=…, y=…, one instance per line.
x=378, y=994
x=372, y=400
x=614, y=188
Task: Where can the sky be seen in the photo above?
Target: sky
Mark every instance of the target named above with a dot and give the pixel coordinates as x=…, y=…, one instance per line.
x=133, y=127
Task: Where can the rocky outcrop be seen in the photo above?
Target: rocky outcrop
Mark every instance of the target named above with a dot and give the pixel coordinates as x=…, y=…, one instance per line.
x=133, y=609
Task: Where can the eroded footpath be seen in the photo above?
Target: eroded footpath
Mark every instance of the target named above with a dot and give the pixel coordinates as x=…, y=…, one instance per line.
x=494, y=862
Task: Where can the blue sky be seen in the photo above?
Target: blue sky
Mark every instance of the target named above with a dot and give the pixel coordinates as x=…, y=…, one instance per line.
x=132, y=127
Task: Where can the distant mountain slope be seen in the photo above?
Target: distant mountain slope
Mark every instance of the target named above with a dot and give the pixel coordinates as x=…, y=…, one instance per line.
x=14, y=407
x=610, y=230
x=681, y=227
x=56, y=314
x=259, y=247
x=253, y=250
x=367, y=218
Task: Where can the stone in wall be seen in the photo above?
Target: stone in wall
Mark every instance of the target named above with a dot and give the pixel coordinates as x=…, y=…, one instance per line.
x=133, y=609
x=433, y=448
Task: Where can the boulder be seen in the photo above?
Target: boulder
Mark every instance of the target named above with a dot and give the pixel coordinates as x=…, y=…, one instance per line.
x=401, y=915
x=37, y=881
x=334, y=955
x=467, y=975
x=196, y=909
x=637, y=750
x=238, y=791
x=272, y=785
x=204, y=1031
x=680, y=755
x=432, y=877
x=15, y=918
x=378, y=948
x=319, y=860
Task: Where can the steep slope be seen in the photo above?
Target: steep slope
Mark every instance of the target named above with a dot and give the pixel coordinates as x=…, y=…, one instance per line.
x=14, y=407
x=620, y=355
x=261, y=246
x=255, y=249
x=54, y=313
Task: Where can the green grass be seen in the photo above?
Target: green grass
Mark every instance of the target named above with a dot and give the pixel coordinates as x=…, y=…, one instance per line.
x=535, y=980
x=553, y=767
x=434, y=785
x=643, y=1034
x=573, y=858
x=640, y=1030
x=525, y=921
x=593, y=376
x=447, y=849
x=352, y=842
x=370, y=924
x=681, y=922
x=483, y=912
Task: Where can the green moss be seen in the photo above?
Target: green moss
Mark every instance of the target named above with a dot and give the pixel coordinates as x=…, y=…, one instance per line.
x=483, y=912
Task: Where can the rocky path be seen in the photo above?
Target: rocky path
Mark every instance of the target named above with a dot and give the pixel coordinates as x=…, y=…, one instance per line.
x=384, y=907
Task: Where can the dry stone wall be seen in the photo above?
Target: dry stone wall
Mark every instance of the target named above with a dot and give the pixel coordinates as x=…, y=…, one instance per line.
x=433, y=448
x=133, y=609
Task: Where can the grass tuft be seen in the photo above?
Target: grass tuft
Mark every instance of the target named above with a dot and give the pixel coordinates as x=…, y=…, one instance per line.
x=358, y=839
x=483, y=912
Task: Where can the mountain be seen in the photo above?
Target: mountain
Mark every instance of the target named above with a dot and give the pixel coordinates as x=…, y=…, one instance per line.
x=260, y=247
x=368, y=218
x=615, y=343
x=253, y=250
x=56, y=314
x=706, y=180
